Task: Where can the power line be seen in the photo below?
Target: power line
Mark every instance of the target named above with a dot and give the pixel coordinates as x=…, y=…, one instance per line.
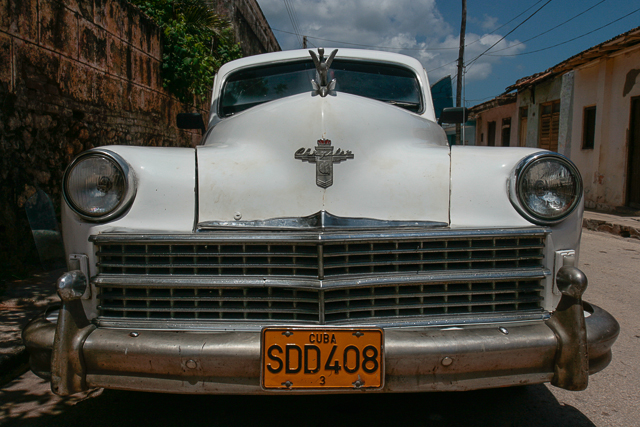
x=549, y=30
x=570, y=40
x=295, y=16
x=507, y=23
x=442, y=66
x=293, y=22
x=402, y=48
x=366, y=45
x=505, y=36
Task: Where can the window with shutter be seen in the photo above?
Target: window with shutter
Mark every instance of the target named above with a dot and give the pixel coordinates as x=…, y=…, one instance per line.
x=549, y=125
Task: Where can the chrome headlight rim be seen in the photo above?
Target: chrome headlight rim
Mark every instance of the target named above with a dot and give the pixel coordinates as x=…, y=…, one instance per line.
x=129, y=182
x=516, y=178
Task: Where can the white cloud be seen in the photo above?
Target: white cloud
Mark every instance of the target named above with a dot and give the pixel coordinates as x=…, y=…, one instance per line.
x=405, y=26
x=487, y=22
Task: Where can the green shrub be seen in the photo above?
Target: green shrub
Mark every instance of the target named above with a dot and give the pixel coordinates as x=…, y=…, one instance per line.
x=196, y=42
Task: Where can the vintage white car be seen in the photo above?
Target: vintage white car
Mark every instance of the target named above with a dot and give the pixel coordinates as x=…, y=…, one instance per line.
x=323, y=238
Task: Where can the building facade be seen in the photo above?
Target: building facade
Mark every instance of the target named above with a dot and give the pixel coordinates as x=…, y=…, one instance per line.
x=586, y=108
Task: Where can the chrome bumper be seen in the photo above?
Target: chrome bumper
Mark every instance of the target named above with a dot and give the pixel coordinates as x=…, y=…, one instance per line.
x=416, y=359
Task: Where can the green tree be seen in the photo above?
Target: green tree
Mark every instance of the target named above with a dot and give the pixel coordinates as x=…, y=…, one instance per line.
x=196, y=42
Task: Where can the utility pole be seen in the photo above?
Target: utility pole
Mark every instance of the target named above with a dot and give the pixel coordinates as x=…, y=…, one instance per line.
x=463, y=28
x=304, y=42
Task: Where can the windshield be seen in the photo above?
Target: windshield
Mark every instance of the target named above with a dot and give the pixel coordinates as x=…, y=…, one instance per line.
x=388, y=83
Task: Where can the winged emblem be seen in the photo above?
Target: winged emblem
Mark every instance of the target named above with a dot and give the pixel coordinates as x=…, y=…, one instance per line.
x=322, y=86
x=324, y=158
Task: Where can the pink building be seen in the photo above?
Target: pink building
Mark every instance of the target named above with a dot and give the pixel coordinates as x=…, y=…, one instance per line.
x=587, y=108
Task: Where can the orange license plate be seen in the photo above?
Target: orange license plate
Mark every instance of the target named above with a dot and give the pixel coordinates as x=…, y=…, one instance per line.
x=301, y=358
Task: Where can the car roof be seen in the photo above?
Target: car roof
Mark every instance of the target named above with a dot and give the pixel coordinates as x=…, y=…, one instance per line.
x=288, y=55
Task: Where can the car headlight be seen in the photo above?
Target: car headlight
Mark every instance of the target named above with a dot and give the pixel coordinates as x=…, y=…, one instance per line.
x=99, y=185
x=545, y=188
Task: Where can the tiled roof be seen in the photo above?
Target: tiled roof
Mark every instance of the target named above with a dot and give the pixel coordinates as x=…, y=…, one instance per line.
x=504, y=99
x=620, y=42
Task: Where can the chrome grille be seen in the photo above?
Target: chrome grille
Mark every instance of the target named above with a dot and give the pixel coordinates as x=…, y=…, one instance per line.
x=432, y=299
x=321, y=260
x=209, y=259
x=319, y=306
x=280, y=304
x=319, y=277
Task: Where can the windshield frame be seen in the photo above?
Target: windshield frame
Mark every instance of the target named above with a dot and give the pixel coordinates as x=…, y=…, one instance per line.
x=223, y=84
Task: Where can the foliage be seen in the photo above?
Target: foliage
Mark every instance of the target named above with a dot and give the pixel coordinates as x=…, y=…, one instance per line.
x=196, y=43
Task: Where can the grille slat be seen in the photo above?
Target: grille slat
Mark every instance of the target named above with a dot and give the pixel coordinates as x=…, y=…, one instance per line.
x=352, y=309
x=159, y=279
x=206, y=310
x=320, y=260
x=442, y=294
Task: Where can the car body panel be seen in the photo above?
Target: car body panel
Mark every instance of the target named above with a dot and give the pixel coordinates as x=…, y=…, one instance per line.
x=400, y=169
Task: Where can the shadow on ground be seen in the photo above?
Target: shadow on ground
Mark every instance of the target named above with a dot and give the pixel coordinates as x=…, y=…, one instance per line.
x=512, y=407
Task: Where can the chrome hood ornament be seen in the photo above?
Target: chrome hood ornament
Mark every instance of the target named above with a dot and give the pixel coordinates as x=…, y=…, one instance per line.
x=322, y=86
x=324, y=158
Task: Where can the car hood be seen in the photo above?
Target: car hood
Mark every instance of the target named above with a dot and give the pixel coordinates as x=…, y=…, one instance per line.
x=248, y=171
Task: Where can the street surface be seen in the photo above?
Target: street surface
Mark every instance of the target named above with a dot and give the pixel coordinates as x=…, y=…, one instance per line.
x=612, y=265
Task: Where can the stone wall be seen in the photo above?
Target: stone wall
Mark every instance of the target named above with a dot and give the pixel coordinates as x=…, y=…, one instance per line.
x=249, y=24
x=74, y=74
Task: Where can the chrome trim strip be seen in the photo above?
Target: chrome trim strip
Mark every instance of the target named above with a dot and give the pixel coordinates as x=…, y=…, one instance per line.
x=353, y=281
x=315, y=236
x=318, y=221
x=212, y=325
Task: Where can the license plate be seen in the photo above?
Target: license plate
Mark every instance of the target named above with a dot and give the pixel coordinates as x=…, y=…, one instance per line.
x=301, y=358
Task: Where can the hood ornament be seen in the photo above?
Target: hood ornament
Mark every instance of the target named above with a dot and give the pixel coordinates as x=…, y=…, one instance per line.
x=324, y=158
x=321, y=85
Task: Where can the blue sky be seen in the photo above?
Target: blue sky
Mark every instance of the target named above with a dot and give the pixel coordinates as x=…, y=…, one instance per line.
x=429, y=30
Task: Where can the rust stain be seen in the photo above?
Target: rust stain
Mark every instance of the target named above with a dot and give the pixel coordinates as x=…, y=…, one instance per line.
x=597, y=178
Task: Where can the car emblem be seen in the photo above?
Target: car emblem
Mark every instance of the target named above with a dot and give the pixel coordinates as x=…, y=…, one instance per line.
x=324, y=158
x=321, y=85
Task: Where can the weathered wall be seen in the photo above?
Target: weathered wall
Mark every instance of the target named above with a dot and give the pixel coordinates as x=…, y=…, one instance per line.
x=605, y=84
x=496, y=114
x=533, y=97
x=249, y=25
x=74, y=74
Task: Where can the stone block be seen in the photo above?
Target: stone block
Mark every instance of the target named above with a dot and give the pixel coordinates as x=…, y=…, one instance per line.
x=59, y=28
x=110, y=92
x=153, y=104
x=127, y=91
x=92, y=45
x=137, y=99
x=134, y=28
x=112, y=15
x=155, y=43
x=118, y=56
x=6, y=69
x=155, y=77
x=77, y=81
x=143, y=32
x=5, y=14
x=142, y=68
x=83, y=7
x=100, y=13
x=34, y=67
x=20, y=18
